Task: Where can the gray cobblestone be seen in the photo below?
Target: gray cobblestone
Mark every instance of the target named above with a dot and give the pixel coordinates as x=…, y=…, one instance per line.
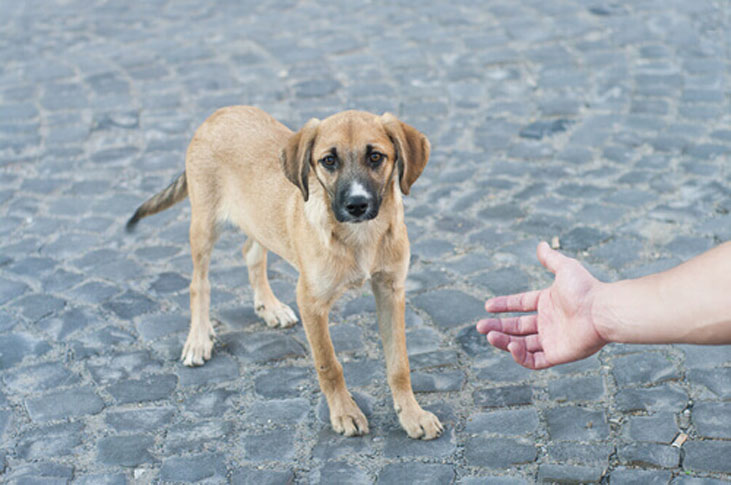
x=603, y=124
x=126, y=451
x=64, y=404
x=573, y=423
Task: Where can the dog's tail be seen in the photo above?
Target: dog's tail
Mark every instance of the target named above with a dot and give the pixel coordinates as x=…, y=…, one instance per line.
x=174, y=193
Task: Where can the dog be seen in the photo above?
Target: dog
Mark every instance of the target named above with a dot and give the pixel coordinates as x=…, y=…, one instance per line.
x=327, y=199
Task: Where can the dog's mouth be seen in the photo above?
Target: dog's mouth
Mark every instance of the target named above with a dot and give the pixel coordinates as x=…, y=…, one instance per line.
x=343, y=215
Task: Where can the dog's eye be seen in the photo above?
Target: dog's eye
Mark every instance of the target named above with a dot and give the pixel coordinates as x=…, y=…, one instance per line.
x=329, y=161
x=375, y=158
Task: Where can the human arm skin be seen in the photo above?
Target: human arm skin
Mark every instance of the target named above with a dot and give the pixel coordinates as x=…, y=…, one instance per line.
x=577, y=315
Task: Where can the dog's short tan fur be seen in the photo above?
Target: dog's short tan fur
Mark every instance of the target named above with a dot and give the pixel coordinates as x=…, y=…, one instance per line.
x=245, y=167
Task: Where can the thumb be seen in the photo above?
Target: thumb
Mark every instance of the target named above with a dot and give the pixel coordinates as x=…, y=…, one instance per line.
x=550, y=258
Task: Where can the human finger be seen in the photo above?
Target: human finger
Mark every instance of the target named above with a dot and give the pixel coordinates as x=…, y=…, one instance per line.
x=521, y=325
x=526, y=358
x=519, y=302
x=498, y=339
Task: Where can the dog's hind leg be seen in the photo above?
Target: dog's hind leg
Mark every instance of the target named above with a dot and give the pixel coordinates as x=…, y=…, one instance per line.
x=267, y=306
x=199, y=343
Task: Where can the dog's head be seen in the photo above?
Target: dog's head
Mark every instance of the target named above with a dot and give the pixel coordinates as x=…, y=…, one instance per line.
x=354, y=156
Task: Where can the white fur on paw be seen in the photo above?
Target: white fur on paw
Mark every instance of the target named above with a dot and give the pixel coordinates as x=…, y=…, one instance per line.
x=197, y=349
x=421, y=424
x=276, y=315
x=349, y=420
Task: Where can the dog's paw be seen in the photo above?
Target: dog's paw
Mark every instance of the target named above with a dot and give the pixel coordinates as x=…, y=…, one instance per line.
x=420, y=424
x=347, y=419
x=197, y=349
x=276, y=315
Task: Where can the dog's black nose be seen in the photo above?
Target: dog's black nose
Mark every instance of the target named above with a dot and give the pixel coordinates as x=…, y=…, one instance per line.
x=357, y=205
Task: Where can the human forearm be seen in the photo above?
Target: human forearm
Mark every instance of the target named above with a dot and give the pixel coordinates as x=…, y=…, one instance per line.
x=690, y=303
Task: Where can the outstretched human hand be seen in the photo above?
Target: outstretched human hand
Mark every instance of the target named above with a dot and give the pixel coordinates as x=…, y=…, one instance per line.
x=562, y=329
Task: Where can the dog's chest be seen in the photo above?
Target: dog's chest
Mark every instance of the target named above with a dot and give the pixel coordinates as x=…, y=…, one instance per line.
x=359, y=270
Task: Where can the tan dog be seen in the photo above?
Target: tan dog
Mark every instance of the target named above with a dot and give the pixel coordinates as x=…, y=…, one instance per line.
x=343, y=226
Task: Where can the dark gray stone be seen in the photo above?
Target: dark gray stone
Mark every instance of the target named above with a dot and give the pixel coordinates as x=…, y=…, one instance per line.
x=574, y=423
x=51, y=441
x=363, y=304
x=398, y=445
x=643, y=368
x=247, y=476
x=262, y=347
x=169, y=283
x=128, y=451
x=569, y=474
x=691, y=480
x=659, y=427
x=44, y=472
x=333, y=446
x=111, y=369
x=432, y=249
x=399, y=473
x=221, y=368
x=193, y=468
x=639, y=477
x=512, y=422
x=130, y=304
x=430, y=360
x=504, y=281
x=41, y=377
x=474, y=343
x=94, y=292
x=152, y=327
x=278, y=412
x=339, y=472
x=649, y=455
x=276, y=445
x=346, y=337
x=539, y=129
x=590, y=388
x=101, y=479
x=316, y=88
x=64, y=404
x=35, y=307
x=503, y=396
x=450, y=308
x=712, y=419
x=717, y=381
x=284, y=382
x=502, y=368
x=140, y=420
x=437, y=382
x=15, y=347
x=580, y=453
x=661, y=398
x=582, y=238
x=498, y=452
x=707, y=456
x=210, y=402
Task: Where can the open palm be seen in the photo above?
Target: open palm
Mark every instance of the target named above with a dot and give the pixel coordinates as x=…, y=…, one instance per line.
x=562, y=329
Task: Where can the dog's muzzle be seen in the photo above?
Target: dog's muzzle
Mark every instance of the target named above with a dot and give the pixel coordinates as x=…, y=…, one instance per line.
x=355, y=203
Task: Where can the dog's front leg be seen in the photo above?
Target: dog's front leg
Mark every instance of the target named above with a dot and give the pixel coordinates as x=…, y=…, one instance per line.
x=345, y=415
x=390, y=304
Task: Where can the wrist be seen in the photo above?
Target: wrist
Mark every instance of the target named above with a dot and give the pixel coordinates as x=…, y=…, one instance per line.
x=607, y=321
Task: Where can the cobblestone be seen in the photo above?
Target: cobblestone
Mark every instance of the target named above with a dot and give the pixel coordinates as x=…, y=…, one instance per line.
x=604, y=124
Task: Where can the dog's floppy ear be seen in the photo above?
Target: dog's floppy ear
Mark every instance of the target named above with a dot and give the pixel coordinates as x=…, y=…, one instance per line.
x=412, y=150
x=296, y=155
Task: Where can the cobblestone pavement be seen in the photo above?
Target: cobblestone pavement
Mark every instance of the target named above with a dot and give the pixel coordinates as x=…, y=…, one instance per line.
x=604, y=123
